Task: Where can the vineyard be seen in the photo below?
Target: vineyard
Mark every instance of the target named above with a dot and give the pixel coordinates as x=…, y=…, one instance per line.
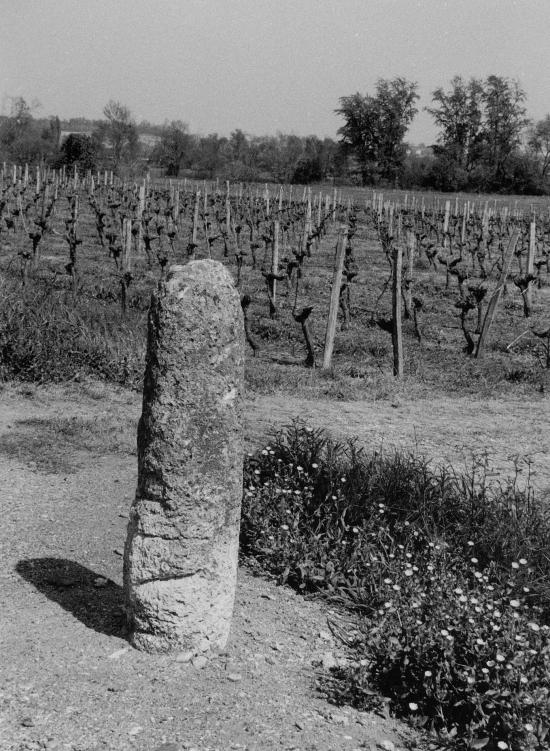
x=345, y=292
x=396, y=299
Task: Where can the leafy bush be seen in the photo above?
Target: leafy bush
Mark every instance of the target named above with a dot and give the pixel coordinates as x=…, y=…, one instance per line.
x=451, y=606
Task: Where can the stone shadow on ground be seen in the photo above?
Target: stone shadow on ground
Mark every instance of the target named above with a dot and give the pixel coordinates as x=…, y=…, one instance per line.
x=96, y=602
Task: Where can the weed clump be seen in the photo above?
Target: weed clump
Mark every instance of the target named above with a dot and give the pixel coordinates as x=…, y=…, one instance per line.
x=446, y=573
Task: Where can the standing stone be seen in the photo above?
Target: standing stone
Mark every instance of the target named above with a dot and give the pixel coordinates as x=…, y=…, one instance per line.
x=180, y=559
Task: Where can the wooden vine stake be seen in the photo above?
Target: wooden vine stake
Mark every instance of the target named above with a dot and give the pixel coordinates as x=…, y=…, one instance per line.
x=227, y=209
x=493, y=302
x=126, y=258
x=275, y=261
x=196, y=218
x=411, y=245
x=140, y=210
x=530, y=264
x=335, y=298
x=446, y=225
x=397, y=333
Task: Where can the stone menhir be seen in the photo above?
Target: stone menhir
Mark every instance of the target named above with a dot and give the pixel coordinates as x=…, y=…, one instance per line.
x=180, y=558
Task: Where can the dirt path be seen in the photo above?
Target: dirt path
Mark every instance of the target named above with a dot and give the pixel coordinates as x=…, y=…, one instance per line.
x=70, y=681
x=443, y=429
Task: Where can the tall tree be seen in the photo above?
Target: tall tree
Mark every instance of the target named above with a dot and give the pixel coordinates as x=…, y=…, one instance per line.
x=396, y=100
x=480, y=125
x=119, y=132
x=505, y=119
x=375, y=127
x=24, y=139
x=209, y=156
x=80, y=150
x=174, y=150
x=539, y=145
x=459, y=114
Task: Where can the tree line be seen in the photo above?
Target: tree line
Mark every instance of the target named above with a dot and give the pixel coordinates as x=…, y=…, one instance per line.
x=485, y=142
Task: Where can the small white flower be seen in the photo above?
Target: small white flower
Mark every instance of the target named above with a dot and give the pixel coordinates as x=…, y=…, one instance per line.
x=522, y=562
x=427, y=673
x=515, y=565
x=413, y=706
x=314, y=465
x=534, y=626
x=409, y=572
x=502, y=745
x=474, y=560
x=515, y=603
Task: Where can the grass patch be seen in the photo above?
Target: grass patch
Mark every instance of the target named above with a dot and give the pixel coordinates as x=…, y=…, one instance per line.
x=447, y=573
x=47, y=335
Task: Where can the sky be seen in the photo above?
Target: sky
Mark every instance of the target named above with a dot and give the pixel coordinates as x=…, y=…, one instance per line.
x=264, y=66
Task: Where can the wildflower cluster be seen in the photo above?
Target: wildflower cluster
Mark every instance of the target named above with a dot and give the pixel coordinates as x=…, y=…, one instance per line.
x=453, y=619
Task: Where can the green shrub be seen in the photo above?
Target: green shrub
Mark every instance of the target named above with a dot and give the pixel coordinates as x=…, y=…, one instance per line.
x=451, y=605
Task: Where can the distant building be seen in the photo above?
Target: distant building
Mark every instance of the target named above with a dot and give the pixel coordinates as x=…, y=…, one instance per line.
x=149, y=139
x=421, y=150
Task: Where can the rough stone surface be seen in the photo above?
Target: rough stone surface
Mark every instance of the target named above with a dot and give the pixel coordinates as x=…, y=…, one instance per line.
x=180, y=558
